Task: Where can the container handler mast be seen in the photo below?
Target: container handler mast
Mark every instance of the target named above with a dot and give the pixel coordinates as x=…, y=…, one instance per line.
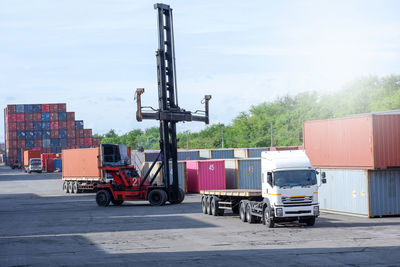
x=126, y=187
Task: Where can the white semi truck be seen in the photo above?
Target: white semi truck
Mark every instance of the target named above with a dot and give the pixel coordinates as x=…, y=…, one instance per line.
x=289, y=192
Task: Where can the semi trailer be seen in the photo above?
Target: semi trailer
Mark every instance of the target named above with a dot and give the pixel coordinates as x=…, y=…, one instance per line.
x=289, y=192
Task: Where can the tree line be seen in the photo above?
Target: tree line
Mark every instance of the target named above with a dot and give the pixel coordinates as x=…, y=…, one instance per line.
x=284, y=117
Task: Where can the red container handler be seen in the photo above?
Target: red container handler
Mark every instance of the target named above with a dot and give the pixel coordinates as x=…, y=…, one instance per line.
x=369, y=141
x=205, y=175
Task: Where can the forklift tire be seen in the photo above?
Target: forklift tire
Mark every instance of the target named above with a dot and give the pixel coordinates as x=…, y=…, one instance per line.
x=181, y=197
x=249, y=218
x=103, y=198
x=157, y=197
x=65, y=186
x=242, y=212
x=204, y=204
x=117, y=202
x=75, y=188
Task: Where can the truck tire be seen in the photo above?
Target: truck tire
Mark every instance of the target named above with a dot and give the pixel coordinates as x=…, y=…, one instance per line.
x=215, y=210
x=267, y=218
x=204, y=204
x=65, y=186
x=208, y=204
x=70, y=187
x=157, y=197
x=103, y=198
x=75, y=188
x=116, y=202
x=310, y=221
x=181, y=197
x=249, y=218
x=242, y=211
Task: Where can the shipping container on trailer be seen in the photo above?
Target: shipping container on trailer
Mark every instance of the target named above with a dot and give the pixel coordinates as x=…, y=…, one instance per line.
x=205, y=174
x=243, y=173
x=371, y=193
x=367, y=141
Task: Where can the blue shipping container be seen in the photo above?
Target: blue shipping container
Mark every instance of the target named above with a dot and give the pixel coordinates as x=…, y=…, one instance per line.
x=45, y=116
x=79, y=125
x=19, y=108
x=29, y=143
x=28, y=108
x=46, y=134
x=55, y=142
x=188, y=155
x=21, y=135
x=62, y=133
x=37, y=108
x=222, y=154
x=46, y=125
x=38, y=134
x=37, y=125
x=57, y=164
x=55, y=149
x=29, y=134
x=46, y=142
x=63, y=142
x=62, y=116
x=243, y=173
x=255, y=152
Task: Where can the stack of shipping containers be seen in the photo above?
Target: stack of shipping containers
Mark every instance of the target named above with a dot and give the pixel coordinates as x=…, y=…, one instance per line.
x=45, y=127
x=361, y=158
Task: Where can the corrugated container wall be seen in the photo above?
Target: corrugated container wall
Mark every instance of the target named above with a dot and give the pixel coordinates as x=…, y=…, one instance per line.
x=188, y=155
x=371, y=193
x=203, y=175
x=81, y=162
x=222, y=154
x=369, y=141
x=256, y=152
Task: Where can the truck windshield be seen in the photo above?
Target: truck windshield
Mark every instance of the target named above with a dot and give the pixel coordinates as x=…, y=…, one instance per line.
x=295, y=178
x=35, y=162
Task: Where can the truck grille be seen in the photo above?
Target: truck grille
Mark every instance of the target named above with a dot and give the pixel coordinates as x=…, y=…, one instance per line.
x=297, y=200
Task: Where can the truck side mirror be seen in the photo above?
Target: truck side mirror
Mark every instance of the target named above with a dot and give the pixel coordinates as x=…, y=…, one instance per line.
x=323, y=177
x=269, y=178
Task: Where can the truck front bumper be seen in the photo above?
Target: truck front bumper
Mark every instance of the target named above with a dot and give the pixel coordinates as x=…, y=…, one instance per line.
x=296, y=211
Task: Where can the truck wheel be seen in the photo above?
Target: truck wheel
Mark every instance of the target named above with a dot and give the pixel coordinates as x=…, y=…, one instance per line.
x=214, y=206
x=117, y=202
x=103, y=198
x=65, y=186
x=75, y=188
x=157, y=197
x=204, y=204
x=208, y=205
x=268, y=220
x=249, y=218
x=310, y=221
x=181, y=197
x=69, y=187
x=242, y=212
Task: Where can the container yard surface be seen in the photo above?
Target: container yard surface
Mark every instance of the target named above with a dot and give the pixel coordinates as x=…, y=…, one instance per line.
x=41, y=226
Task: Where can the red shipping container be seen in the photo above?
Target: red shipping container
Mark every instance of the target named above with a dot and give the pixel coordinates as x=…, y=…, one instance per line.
x=12, y=152
x=12, y=126
x=62, y=125
x=87, y=133
x=46, y=150
x=205, y=175
x=71, y=125
x=54, y=116
x=87, y=141
x=11, y=135
x=71, y=134
x=54, y=125
x=53, y=108
x=71, y=116
x=37, y=148
x=54, y=133
x=62, y=107
x=50, y=165
x=45, y=107
x=21, y=126
x=79, y=133
x=80, y=142
x=29, y=126
x=12, y=144
x=11, y=109
x=28, y=116
x=20, y=117
x=38, y=143
x=71, y=142
x=37, y=116
x=21, y=143
x=96, y=142
x=11, y=117
x=369, y=141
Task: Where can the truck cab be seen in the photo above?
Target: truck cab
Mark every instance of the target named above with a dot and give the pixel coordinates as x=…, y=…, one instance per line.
x=289, y=187
x=34, y=165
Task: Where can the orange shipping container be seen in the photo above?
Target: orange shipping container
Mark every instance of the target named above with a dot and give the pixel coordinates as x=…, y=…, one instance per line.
x=30, y=154
x=81, y=163
x=370, y=141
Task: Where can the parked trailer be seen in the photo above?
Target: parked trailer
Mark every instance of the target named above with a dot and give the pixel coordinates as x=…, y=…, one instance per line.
x=289, y=192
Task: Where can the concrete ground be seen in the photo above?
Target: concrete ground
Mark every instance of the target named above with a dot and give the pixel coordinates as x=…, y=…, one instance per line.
x=40, y=225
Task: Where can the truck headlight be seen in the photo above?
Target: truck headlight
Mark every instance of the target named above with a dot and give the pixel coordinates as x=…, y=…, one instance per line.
x=279, y=212
x=316, y=210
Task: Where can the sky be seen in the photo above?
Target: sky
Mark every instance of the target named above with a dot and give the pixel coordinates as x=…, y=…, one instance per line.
x=93, y=54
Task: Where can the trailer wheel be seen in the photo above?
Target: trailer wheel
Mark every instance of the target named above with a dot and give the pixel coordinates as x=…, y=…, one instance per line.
x=157, y=197
x=249, y=218
x=204, y=204
x=65, y=186
x=70, y=187
x=214, y=206
x=268, y=220
x=209, y=198
x=117, y=202
x=75, y=188
x=242, y=212
x=103, y=198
